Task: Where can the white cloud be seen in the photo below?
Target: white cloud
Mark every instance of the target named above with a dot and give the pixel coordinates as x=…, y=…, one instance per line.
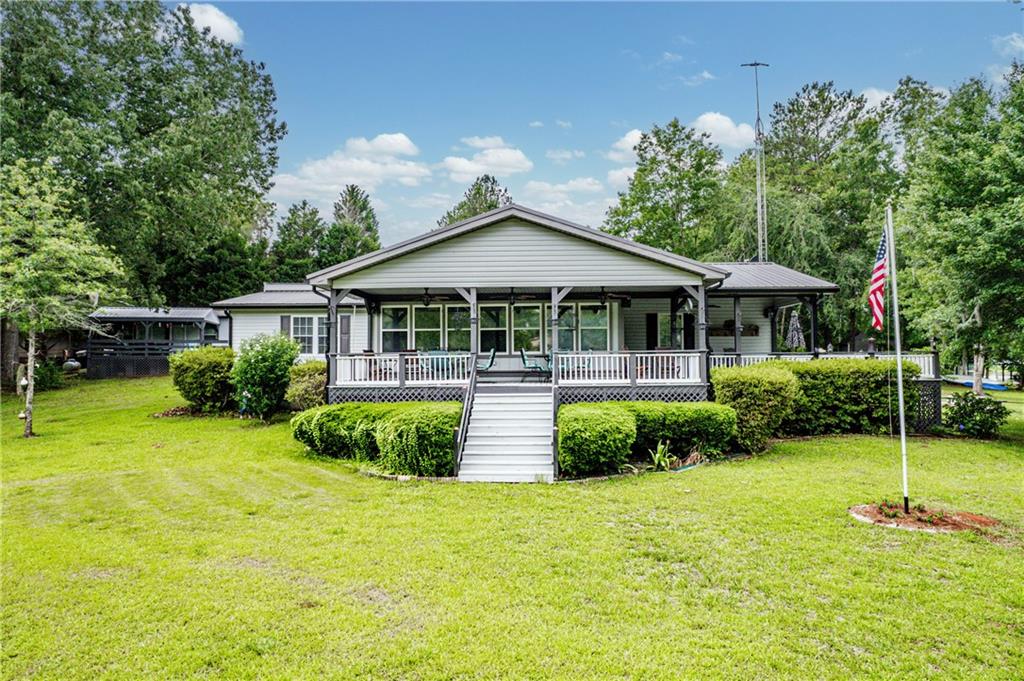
x=491, y=142
x=618, y=178
x=536, y=124
x=588, y=212
x=564, y=124
x=499, y=162
x=563, y=156
x=724, y=131
x=368, y=163
x=697, y=78
x=221, y=25
x=1011, y=45
x=997, y=73
x=874, y=96
x=547, y=192
x=383, y=145
x=431, y=200
x=669, y=58
x=622, y=149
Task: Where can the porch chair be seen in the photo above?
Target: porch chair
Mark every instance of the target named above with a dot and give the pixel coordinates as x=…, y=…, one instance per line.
x=484, y=365
x=534, y=365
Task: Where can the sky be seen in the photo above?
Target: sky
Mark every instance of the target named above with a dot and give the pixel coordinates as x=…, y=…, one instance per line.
x=413, y=101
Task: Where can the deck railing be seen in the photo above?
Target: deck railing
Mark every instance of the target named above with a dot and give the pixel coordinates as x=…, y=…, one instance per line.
x=628, y=368
x=926, y=362
x=404, y=369
x=116, y=347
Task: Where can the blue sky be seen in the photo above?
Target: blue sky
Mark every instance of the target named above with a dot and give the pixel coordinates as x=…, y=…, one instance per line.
x=412, y=101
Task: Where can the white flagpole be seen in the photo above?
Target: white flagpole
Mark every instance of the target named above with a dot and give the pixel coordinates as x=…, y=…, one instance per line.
x=891, y=264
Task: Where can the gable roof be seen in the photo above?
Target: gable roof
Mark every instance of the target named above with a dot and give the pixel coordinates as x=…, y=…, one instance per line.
x=149, y=314
x=283, y=294
x=323, y=277
x=769, y=276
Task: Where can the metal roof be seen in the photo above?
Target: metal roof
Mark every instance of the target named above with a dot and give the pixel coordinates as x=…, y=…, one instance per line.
x=148, y=314
x=283, y=294
x=323, y=277
x=770, y=276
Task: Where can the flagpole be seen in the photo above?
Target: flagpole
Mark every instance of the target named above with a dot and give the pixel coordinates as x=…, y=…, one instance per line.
x=890, y=237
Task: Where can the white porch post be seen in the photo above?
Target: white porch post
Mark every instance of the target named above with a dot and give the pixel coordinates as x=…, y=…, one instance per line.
x=737, y=317
x=337, y=295
x=557, y=295
x=474, y=320
x=699, y=294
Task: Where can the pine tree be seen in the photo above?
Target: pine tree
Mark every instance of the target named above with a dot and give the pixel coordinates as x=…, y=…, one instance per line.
x=483, y=195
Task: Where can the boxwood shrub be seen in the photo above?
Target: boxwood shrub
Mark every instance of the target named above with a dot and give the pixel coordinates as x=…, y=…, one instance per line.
x=762, y=395
x=408, y=438
x=687, y=426
x=594, y=438
x=306, y=385
x=848, y=396
x=203, y=377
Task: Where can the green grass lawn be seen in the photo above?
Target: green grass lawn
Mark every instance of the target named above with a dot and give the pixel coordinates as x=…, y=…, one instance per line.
x=136, y=547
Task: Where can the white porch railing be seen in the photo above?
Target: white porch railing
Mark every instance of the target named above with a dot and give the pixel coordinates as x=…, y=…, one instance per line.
x=620, y=368
x=404, y=369
x=924, y=361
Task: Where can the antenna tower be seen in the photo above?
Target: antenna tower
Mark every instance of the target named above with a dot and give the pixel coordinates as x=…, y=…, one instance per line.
x=762, y=199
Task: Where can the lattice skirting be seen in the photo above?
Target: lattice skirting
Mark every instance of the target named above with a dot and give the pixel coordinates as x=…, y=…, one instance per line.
x=660, y=393
x=112, y=366
x=426, y=393
x=929, y=411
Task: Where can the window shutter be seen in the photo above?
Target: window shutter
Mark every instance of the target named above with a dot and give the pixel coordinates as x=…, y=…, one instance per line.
x=286, y=325
x=344, y=333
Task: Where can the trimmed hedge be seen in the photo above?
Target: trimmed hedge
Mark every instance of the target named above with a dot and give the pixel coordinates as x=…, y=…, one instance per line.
x=704, y=426
x=594, y=438
x=306, y=385
x=408, y=438
x=848, y=396
x=762, y=395
x=203, y=377
x=261, y=373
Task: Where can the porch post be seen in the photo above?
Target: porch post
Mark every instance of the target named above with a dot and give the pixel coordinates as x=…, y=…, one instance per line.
x=332, y=334
x=772, y=319
x=474, y=319
x=370, y=305
x=814, y=325
x=737, y=318
x=673, y=310
x=700, y=294
x=557, y=295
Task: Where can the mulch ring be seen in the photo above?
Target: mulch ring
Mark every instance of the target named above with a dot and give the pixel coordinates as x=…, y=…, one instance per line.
x=920, y=518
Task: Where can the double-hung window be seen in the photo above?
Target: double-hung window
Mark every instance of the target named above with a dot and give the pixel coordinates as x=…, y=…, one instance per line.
x=566, y=327
x=593, y=323
x=394, y=328
x=457, y=328
x=493, y=328
x=302, y=332
x=526, y=328
x=427, y=327
x=322, y=337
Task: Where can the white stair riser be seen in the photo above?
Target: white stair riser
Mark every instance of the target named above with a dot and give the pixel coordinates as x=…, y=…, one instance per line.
x=500, y=430
x=500, y=477
x=539, y=462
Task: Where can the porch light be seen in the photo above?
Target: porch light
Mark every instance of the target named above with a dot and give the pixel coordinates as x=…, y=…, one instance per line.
x=426, y=297
x=604, y=297
x=511, y=296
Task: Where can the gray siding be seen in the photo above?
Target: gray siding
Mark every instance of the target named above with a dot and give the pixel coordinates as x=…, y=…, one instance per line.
x=635, y=320
x=248, y=323
x=515, y=253
x=752, y=310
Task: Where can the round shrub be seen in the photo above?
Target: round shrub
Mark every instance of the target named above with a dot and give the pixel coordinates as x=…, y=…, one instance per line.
x=419, y=439
x=975, y=416
x=306, y=385
x=762, y=397
x=47, y=375
x=706, y=427
x=203, y=377
x=594, y=438
x=261, y=373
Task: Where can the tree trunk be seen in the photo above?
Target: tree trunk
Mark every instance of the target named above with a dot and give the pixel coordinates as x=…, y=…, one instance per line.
x=851, y=344
x=9, y=353
x=30, y=390
x=979, y=369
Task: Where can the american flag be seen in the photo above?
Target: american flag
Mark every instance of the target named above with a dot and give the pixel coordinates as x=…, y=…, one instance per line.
x=876, y=291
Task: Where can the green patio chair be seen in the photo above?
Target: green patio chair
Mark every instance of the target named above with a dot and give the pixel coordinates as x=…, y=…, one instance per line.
x=488, y=363
x=533, y=365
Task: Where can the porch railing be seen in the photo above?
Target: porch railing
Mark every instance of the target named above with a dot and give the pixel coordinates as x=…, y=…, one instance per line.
x=628, y=368
x=926, y=362
x=404, y=369
x=116, y=347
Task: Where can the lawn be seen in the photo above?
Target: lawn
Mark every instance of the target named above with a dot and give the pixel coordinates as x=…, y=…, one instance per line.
x=143, y=547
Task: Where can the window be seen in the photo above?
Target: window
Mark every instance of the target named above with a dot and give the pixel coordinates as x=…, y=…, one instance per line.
x=427, y=327
x=566, y=327
x=322, y=337
x=493, y=328
x=302, y=331
x=526, y=328
x=685, y=329
x=394, y=322
x=593, y=321
x=458, y=327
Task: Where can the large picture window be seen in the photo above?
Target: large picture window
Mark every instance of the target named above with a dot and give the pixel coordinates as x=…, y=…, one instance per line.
x=526, y=328
x=493, y=328
x=426, y=326
x=302, y=332
x=593, y=322
x=566, y=327
x=394, y=324
x=458, y=328
x=322, y=337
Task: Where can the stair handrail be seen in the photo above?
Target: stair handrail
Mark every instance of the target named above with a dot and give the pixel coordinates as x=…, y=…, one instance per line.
x=467, y=411
x=554, y=431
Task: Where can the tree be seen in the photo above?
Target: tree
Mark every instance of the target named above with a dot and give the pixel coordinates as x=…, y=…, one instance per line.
x=354, y=231
x=673, y=191
x=51, y=268
x=293, y=254
x=168, y=133
x=483, y=195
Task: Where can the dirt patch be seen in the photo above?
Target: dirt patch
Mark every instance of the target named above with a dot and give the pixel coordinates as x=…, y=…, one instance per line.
x=921, y=518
